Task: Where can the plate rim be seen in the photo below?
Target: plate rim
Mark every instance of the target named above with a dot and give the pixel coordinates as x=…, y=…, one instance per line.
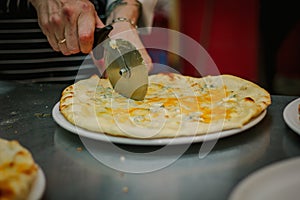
x=259, y=176
x=289, y=111
x=39, y=185
x=62, y=122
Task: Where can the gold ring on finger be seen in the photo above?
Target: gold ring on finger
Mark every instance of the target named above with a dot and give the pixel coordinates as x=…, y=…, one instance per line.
x=62, y=41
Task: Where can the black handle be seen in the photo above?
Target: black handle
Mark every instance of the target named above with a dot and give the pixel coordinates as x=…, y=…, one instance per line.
x=101, y=34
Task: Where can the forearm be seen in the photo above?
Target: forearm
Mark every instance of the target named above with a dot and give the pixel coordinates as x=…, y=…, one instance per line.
x=124, y=17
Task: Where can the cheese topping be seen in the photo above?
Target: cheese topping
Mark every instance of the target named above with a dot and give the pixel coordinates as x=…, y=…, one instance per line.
x=189, y=102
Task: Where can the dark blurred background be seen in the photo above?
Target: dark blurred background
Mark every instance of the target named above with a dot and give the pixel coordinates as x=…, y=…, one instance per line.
x=256, y=39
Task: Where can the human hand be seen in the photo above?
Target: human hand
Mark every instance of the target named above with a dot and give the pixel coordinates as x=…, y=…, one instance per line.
x=68, y=24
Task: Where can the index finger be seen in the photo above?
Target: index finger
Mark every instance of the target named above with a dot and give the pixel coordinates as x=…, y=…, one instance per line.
x=86, y=27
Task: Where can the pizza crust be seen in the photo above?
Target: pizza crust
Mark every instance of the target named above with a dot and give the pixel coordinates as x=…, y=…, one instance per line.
x=175, y=106
x=18, y=171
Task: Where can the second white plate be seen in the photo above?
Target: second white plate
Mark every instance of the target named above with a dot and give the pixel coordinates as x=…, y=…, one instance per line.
x=291, y=116
x=277, y=182
x=60, y=120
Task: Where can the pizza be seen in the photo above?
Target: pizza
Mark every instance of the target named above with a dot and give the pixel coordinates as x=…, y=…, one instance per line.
x=174, y=106
x=18, y=171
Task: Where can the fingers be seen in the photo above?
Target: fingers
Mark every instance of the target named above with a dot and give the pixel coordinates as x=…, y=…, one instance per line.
x=69, y=26
x=71, y=43
x=99, y=23
x=47, y=19
x=52, y=24
x=86, y=28
x=87, y=21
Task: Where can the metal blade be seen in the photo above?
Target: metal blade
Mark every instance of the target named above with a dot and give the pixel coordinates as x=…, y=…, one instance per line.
x=126, y=69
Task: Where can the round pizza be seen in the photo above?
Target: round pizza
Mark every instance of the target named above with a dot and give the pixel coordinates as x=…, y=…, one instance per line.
x=18, y=170
x=174, y=106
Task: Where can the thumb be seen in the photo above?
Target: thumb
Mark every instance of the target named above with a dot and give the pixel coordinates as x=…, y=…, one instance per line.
x=99, y=23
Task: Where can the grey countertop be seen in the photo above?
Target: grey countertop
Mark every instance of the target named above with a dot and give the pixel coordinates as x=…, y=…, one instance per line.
x=72, y=172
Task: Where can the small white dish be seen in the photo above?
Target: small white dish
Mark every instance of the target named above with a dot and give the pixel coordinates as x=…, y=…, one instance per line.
x=291, y=115
x=38, y=186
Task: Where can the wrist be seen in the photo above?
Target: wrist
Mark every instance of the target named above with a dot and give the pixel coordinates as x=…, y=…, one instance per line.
x=124, y=11
x=123, y=30
x=124, y=20
x=123, y=3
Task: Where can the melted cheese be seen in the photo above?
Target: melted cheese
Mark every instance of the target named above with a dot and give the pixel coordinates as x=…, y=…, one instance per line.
x=202, y=103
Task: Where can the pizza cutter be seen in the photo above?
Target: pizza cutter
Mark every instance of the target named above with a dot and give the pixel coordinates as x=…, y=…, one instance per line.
x=125, y=67
x=100, y=35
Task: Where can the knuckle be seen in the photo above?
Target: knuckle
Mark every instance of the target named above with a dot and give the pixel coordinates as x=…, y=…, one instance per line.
x=68, y=11
x=86, y=6
x=55, y=20
x=45, y=26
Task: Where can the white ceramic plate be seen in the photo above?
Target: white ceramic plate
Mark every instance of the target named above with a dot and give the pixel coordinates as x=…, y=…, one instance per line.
x=291, y=116
x=277, y=182
x=38, y=187
x=60, y=119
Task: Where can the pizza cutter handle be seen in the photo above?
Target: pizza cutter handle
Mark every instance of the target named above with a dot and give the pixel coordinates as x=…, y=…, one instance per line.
x=100, y=35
